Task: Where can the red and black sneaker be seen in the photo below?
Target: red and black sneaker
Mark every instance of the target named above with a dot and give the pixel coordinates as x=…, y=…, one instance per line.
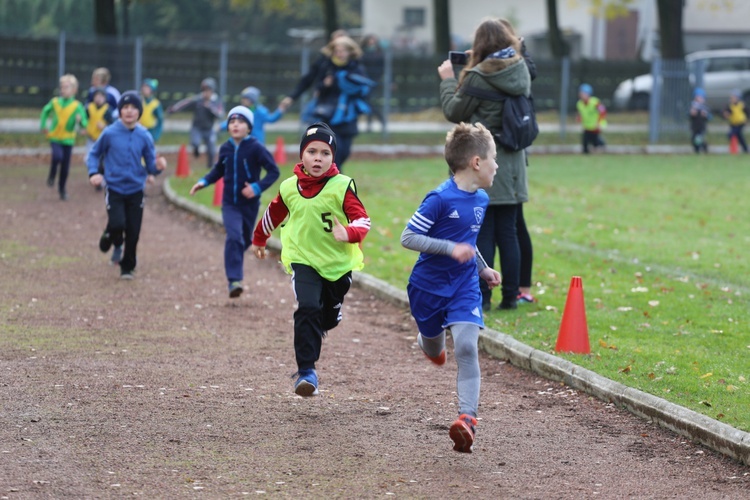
x=462, y=433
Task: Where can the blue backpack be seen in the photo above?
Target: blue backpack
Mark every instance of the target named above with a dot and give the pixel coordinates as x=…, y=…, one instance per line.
x=519, y=127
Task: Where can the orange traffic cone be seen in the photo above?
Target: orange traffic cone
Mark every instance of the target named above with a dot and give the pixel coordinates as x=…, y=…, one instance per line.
x=183, y=164
x=574, y=334
x=279, y=155
x=219, y=192
x=733, y=145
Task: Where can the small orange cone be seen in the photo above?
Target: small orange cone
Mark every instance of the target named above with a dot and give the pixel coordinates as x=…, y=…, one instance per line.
x=183, y=164
x=279, y=155
x=574, y=333
x=219, y=192
x=733, y=145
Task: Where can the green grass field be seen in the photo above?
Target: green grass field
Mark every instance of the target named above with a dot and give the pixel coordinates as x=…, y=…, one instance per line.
x=660, y=243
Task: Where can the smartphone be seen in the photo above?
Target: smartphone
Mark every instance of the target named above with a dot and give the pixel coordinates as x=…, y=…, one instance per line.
x=458, y=58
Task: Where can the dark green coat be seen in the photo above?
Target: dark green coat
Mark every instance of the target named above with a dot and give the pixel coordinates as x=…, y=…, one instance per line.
x=512, y=77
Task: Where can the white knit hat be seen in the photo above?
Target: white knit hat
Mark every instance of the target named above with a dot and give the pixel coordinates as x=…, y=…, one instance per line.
x=241, y=112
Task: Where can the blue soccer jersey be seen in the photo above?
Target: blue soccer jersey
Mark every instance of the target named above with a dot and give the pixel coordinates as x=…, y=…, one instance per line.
x=448, y=213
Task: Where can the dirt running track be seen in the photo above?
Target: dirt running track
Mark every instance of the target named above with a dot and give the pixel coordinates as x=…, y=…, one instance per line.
x=163, y=388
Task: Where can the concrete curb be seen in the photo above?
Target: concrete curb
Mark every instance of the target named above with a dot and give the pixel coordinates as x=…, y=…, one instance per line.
x=711, y=433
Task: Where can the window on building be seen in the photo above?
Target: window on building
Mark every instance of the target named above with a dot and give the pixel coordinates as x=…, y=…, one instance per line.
x=414, y=17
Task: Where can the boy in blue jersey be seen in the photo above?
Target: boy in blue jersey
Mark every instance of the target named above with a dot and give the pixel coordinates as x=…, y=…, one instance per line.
x=444, y=284
x=241, y=160
x=123, y=146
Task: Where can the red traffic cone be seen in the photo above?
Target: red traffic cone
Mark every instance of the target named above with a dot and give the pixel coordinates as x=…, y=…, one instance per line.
x=183, y=164
x=574, y=333
x=219, y=192
x=279, y=154
x=733, y=145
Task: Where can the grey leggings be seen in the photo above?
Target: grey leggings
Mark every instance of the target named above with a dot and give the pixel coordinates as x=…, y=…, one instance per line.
x=465, y=340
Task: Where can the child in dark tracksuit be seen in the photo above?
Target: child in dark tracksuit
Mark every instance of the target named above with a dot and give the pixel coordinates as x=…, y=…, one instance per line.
x=318, y=250
x=699, y=115
x=125, y=146
x=241, y=159
x=207, y=108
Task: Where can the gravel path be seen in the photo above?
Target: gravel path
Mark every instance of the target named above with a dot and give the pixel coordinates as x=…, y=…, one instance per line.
x=163, y=387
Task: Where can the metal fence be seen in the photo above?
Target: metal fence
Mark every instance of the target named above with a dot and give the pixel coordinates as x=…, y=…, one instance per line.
x=30, y=67
x=670, y=99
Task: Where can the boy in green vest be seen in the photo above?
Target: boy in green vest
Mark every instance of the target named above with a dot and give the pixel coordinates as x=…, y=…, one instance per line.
x=318, y=250
x=65, y=113
x=593, y=117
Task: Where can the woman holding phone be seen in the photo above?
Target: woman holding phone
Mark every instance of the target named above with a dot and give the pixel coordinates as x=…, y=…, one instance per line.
x=495, y=65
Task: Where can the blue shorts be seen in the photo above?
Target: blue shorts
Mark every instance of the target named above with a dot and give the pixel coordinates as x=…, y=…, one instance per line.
x=434, y=313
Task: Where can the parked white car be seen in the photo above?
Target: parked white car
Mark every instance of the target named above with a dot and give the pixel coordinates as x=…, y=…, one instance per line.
x=724, y=70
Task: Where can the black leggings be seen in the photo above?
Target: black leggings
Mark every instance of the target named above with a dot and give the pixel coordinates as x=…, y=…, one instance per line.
x=504, y=226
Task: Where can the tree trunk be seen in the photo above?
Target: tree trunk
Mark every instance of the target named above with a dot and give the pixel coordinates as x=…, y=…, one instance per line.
x=442, y=27
x=125, y=17
x=557, y=44
x=331, y=17
x=105, y=20
x=670, y=28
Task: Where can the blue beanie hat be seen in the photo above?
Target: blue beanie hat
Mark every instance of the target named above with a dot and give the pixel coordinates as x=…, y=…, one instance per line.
x=153, y=83
x=241, y=112
x=699, y=92
x=251, y=93
x=130, y=97
x=586, y=88
x=737, y=93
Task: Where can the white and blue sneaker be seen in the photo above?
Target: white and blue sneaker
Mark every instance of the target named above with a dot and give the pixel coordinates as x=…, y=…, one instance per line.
x=307, y=383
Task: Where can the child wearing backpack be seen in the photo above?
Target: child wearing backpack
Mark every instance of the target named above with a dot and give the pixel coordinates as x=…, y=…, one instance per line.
x=496, y=65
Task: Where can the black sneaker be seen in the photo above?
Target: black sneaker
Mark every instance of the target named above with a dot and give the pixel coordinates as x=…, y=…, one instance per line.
x=235, y=289
x=50, y=181
x=63, y=196
x=508, y=304
x=127, y=275
x=105, y=243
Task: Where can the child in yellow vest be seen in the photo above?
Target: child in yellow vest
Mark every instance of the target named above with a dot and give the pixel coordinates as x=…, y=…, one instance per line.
x=319, y=251
x=99, y=115
x=153, y=113
x=593, y=117
x=737, y=117
x=64, y=114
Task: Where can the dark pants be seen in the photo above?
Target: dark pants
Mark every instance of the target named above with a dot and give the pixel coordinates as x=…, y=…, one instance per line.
x=504, y=226
x=698, y=140
x=527, y=250
x=736, y=131
x=60, y=156
x=593, y=138
x=239, y=223
x=343, y=149
x=319, y=303
x=125, y=212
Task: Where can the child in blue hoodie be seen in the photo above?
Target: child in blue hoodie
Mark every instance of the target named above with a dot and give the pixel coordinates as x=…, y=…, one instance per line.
x=241, y=160
x=125, y=147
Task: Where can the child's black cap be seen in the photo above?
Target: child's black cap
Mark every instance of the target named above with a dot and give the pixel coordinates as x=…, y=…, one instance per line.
x=130, y=97
x=318, y=132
